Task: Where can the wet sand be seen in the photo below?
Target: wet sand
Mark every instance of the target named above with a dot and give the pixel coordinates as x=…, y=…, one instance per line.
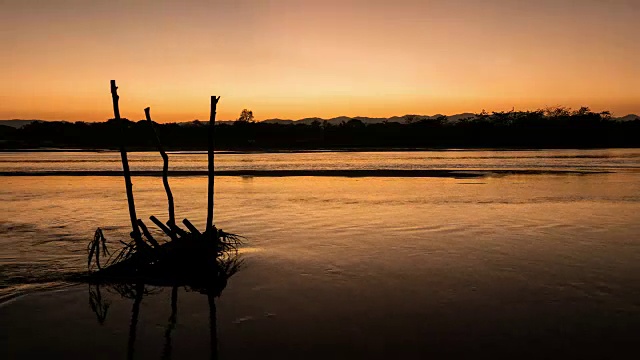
x=269, y=311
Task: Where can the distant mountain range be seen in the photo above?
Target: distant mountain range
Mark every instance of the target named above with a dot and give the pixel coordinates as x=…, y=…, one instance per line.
x=370, y=120
x=629, y=117
x=17, y=123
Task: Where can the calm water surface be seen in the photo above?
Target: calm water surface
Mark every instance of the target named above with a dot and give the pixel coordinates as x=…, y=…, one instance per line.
x=366, y=264
x=605, y=159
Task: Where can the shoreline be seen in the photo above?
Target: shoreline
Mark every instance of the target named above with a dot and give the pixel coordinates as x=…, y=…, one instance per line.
x=314, y=173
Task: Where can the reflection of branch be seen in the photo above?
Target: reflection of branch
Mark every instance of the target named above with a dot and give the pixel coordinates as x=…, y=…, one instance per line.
x=97, y=304
x=130, y=291
x=213, y=329
x=135, y=311
x=166, y=351
x=212, y=284
x=94, y=248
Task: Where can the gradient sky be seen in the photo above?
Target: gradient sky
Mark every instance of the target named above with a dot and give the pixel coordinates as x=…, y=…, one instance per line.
x=294, y=59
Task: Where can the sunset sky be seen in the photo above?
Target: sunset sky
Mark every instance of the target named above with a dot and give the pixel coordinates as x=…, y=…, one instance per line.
x=304, y=58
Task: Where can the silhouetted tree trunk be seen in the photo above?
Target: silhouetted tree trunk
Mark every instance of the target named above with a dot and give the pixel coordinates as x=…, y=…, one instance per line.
x=125, y=167
x=212, y=121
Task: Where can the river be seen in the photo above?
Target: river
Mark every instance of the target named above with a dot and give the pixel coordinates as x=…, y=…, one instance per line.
x=357, y=266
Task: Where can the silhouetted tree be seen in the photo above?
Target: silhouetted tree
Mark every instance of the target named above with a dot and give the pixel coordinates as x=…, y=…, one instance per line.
x=246, y=116
x=544, y=128
x=557, y=112
x=410, y=119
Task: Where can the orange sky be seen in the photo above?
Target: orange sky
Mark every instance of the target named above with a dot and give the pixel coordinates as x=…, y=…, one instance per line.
x=303, y=58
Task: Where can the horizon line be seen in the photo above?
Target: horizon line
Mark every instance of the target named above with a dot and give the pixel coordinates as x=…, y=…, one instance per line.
x=335, y=117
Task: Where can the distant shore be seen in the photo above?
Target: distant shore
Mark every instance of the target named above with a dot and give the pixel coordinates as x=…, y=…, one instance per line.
x=541, y=129
x=305, y=150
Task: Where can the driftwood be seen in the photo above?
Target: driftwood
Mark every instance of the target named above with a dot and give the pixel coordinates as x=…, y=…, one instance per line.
x=200, y=260
x=163, y=227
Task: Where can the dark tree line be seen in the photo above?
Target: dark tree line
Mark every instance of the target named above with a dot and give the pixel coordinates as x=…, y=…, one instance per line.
x=550, y=128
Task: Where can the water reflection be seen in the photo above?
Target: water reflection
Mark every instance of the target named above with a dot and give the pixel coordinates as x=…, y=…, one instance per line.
x=227, y=266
